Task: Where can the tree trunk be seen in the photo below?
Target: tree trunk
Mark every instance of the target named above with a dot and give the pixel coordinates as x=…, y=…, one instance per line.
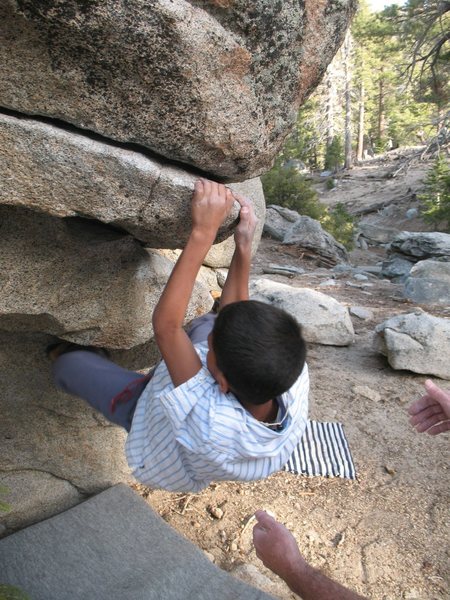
x=331, y=104
x=348, y=162
x=381, y=126
x=361, y=115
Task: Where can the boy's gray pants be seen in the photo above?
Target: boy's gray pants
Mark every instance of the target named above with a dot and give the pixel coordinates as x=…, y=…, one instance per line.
x=100, y=382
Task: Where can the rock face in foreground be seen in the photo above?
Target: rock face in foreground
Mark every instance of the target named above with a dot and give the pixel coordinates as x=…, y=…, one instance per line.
x=81, y=281
x=216, y=85
x=417, y=342
x=55, y=450
x=323, y=319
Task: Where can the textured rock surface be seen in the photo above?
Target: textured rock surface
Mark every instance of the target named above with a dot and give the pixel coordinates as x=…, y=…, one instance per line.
x=429, y=283
x=417, y=342
x=54, y=448
x=376, y=234
x=421, y=245
x=278, y=221
x=308, y=233
x=212, y=84
x=396, y=268
x=323, y=319
x=80, y=281
x=66, y=174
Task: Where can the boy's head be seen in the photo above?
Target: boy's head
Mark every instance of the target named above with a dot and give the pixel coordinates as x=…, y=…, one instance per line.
x=259, y=349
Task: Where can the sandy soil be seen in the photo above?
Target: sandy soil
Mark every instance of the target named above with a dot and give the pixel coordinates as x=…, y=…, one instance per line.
x=385, y=535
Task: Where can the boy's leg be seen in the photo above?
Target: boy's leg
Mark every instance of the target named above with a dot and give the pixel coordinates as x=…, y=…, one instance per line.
x=201, y=327
x=98, y=380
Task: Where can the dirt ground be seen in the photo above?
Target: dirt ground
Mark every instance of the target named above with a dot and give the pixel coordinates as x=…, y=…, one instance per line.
x=385, y=535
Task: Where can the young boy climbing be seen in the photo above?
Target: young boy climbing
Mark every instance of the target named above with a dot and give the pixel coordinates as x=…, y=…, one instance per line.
x=229, y=400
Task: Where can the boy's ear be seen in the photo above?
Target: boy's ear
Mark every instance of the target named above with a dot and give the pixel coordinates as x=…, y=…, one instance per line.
x=223, y=382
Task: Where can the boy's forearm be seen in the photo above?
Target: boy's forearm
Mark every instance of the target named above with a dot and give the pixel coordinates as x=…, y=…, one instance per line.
x=236, y=285
x=171, y=308
x=311, y=584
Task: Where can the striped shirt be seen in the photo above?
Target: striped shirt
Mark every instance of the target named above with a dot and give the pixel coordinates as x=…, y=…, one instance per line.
x=183, y=438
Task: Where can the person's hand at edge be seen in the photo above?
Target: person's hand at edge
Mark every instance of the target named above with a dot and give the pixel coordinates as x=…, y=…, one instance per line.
x=431, y=413
x=276, y=547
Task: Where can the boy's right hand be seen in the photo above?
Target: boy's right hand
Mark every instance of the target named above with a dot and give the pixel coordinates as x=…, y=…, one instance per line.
x=245, y=229
x=211, y=204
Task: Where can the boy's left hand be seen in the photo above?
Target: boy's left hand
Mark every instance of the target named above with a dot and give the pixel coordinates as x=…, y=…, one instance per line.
x=245, y=229
x=211, y=204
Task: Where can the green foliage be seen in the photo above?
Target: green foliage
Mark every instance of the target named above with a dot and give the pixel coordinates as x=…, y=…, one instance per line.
x=340, y=224
x=329, y=184
x=334, y=155
x=287, y=187
x=436, y=197
x=11, y=592
x=4, y=507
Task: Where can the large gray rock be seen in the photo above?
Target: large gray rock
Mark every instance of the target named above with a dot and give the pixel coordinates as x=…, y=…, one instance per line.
x=308, y=233
x=421, y=245
x=278, y=221
x=113, y=547
x=80, y=280
x=429, y=283
x=396, y=268
x=323, y=319
x=212, y=84
x=66, y=174
x=416, y=342
x=376, y=234
x=54, y=449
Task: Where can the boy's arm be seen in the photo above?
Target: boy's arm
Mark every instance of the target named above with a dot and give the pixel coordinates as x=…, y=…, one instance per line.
x=211, y=204
x=236, y=285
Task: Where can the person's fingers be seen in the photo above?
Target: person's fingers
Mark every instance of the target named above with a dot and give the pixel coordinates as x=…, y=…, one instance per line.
x=430, y=422
x=243, y=201
x=440, y=428
x=206, y=185
x=435, y=392
x=198, y=186
x=426, y=413
x=222, y=191
x=420, y=404
x=263, y=517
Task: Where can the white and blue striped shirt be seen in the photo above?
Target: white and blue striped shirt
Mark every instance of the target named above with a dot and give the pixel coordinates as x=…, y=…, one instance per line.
x=183, y=438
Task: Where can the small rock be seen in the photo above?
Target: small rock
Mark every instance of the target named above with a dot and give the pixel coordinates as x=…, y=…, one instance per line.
x=360, y=277
x=341, y=268
x=411, y=594
x=233, y=547
x=338, y=539
x=215, y=512
x=196, y=525
x=389, y=470
x=313, y=537
x=363, y=244
x=209, y=556
x=327, y=282
x=412, y=213
x=361, y=312
x=366, y=392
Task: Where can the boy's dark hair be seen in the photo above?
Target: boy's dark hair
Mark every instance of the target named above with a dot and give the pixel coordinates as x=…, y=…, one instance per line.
x=259, y=348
